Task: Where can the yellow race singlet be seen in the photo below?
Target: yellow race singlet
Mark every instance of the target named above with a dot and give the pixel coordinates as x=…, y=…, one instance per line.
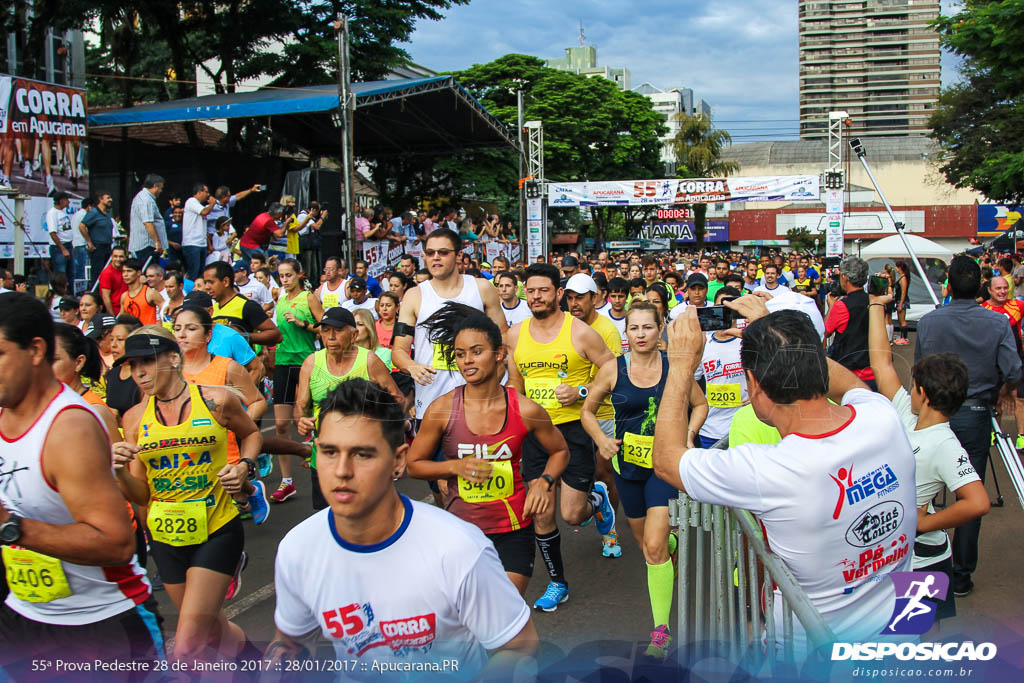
x=182, y=463
x=545, y=366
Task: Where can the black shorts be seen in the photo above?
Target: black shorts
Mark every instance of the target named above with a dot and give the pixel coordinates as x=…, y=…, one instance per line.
x=132, y=636
x=286, y=381
x=319, y=502
x=515, y=550
x=219, y=553
x=579, y=473
x=637, y=497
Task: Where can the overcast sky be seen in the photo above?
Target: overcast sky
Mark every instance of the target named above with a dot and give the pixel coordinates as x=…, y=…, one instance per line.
x=738, y=55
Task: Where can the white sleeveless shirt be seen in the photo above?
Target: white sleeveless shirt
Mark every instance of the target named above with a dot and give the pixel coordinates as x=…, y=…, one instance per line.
x=423, y=351
x=333, y=297
x=97, y=593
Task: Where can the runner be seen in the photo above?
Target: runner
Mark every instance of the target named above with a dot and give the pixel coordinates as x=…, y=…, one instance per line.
x=192, y=329
x=232, y=308
x=480, y=427
x=196, y=536
x=322, y=371
x=724, y=379
x=635, y=382
x=515, y=309
x=618, y=295
x=298, y=312
x=554, y=355
x=139, y=299
x=61, y=514
x=385, y=580
x=75, y=357
x=581, y=296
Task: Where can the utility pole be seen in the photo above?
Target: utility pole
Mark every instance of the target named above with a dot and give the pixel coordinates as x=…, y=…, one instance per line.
x=346, y=109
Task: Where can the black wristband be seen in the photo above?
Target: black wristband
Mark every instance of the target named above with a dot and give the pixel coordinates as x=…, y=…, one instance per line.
x=404, y=330
x=251, y=465
x=549, y=480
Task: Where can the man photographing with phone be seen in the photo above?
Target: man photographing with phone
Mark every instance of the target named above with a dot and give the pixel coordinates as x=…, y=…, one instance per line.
x=848, y=320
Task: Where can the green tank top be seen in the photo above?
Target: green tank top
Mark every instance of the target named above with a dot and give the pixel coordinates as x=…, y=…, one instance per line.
x=296, y=343
x=321, y=381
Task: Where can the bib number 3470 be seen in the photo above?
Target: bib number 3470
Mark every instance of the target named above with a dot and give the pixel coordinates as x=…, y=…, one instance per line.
x=34, y=577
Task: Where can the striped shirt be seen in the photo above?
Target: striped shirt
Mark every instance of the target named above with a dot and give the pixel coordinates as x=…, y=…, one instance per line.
x=145, y=210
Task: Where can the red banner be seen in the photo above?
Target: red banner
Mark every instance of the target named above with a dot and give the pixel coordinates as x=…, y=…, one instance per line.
x=32, y=109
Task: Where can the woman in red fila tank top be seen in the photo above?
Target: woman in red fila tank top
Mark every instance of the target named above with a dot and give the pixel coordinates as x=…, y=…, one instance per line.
x=479, y=429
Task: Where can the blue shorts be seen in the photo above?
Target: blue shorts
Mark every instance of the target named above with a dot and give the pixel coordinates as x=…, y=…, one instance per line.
x=706, y=442
x=637, y=497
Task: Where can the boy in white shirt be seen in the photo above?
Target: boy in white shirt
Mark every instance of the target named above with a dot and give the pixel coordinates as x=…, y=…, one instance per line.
x=939, y=388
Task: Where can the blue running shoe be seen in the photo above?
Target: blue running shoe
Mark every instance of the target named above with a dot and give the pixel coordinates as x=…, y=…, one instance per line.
x=610, y=545
x=265, y=465
x=555, y=595
x=604, y=514
x=258, y=503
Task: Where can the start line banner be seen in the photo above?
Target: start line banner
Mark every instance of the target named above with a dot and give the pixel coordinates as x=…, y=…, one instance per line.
x=380, y=257
x=795, y=188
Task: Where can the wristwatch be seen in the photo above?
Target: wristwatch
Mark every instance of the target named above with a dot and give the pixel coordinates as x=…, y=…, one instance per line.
x=10, y=531
x=252, y=467
x=549, y=480
x=583, y=391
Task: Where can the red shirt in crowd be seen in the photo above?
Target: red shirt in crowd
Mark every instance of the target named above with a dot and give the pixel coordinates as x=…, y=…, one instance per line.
x=1011, y=309
x=260, y=232
x=111, y=279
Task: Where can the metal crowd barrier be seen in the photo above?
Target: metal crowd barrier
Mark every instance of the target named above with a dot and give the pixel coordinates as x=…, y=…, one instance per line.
x=726, y=573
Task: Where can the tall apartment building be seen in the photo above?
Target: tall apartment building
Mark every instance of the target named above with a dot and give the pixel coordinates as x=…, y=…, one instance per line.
x=583, y=60
x=877, y=60
x=668, y=103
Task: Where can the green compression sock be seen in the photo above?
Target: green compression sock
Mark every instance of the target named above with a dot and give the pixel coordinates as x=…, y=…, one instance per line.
x=660, y=580
x=673, y=543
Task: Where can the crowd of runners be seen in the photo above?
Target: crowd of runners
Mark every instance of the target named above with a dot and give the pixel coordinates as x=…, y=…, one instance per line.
x=529, y=397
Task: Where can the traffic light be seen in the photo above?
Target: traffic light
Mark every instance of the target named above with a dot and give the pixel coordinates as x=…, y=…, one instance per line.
x=833, y=180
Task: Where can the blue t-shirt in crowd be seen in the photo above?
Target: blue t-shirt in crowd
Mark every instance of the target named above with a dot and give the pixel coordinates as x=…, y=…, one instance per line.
x=227, y=342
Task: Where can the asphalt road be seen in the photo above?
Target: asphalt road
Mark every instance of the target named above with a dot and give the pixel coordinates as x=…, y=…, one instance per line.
x=608, y=597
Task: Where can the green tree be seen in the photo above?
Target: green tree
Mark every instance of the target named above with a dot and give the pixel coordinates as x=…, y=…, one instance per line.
x=979, y=122
x=800, y=239
x=697, y=148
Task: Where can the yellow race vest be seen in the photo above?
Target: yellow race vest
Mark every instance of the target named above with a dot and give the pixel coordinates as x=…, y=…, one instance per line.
x=545, y=366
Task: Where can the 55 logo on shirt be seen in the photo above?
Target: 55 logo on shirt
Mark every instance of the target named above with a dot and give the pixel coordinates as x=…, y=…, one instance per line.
x=357, y=627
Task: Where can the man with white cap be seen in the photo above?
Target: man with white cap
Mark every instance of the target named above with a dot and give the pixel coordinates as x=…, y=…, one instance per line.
x=581, y=296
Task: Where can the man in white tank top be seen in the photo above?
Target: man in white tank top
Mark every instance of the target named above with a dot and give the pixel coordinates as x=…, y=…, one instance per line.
x=332, y=290
x=75, y=588
x=426, y=366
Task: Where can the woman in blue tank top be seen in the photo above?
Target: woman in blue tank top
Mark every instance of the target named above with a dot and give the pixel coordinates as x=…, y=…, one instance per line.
x=635, y=382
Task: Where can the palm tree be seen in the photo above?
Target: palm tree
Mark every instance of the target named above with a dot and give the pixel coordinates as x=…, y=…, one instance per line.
x=698, y=152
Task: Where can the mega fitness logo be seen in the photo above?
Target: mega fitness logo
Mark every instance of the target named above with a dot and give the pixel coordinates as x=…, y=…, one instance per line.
x=918, y=595
x=879, y=482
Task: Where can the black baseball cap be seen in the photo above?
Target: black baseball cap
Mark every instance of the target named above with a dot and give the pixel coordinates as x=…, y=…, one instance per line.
x=570, y=262
x=356, y=282
x=146, y=346
x=337, y=317
x=697, y=279
x=99, y=326
x=200, y=299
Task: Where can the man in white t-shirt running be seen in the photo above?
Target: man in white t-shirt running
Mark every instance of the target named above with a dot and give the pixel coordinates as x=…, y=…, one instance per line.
x=419, y=585
x=515, y=309
x=837, y=463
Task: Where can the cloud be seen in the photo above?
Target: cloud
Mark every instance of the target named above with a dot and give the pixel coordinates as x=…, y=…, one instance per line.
x=741, y=56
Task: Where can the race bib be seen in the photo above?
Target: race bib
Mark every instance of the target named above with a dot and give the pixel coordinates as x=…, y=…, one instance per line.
x=439, y=362
x=330, y=301
x=542, y=392
x=498, y=487
x=725, y=395
x=34, y=577
x=178, y=523
x=636, y=450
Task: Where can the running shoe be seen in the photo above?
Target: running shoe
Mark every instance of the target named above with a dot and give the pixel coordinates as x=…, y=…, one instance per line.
x=604, y=514
x=264, y=465
x=555, y=595
x=156, y=582
x=28, y=170
x=5, y=182
x=283, y=493
x=661, y=640
x=244, y=510
x=258, y=503
x=236, y=578
x=902, y=341
x=50, y=189
x=610, y=545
